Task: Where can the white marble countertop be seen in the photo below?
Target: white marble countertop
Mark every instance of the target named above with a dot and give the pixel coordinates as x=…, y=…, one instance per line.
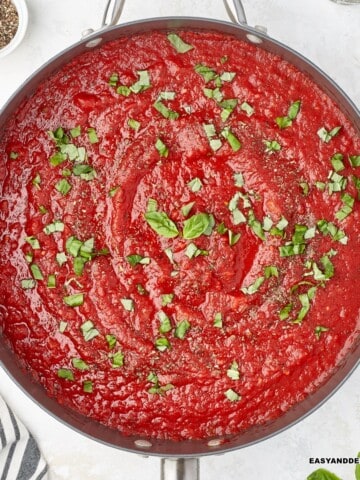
x=329, y=35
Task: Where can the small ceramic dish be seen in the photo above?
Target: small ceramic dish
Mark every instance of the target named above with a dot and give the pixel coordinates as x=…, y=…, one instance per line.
x=22, y=10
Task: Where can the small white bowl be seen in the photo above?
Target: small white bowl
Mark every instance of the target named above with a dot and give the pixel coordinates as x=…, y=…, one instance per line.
x=21, y=7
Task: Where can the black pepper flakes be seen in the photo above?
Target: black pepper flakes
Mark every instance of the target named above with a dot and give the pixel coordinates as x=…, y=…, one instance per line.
x=9, y=22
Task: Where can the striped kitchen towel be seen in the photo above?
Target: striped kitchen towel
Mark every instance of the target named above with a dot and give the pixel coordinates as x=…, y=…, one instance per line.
x=20, y=457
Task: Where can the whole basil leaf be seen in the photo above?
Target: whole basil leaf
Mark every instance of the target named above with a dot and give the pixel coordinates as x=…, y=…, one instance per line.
x=161, y=224
x=322, y=474
x=196, y=225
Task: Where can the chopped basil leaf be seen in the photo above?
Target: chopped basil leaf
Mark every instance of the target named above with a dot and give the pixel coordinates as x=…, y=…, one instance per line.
x=113, y=191
x=13, y=155
x=319, y=330
x=207, y=73
x=61, y=258
x=143, y=83
x=84, y=171
x=79, y=364
x=218, y=320
x=254, y=287
x=195, y=184
x=36, y=272
x=232, y=395
x=166, y=298
x=65, y=373
x=196, y=225
x=29, y=257
x=165, y=111
x=247, y=108
x=221, y=229
x=92, y=135
x=57, y=158
x=88, y=330
x=136, y=259
x=79, y=264
x=348, y=204
x=113, y=79
x=63, y=186
x=181, y=329
x=28, y=283
x=62, y=326
x=233, y=371
x=337, y=162
x=88, y=386
x=354, y=160
x=326, y=136
x=36, y=181
x=185, y=210
x=267, y=224
x=233, y=237
x=305, y=188
x=134, y=124
x=271, y=271
x=123, y=90
x=128, y=304
x=161, y=148
x=238, y=217
x=209, y=129
x=75, y=132
x=356, y=181
x=169, y=253
x=337, y=182
x=192, y=251
x=75, y=300
x=162, y=344
x=33, y=242
x=55, y=226
x=228, y=107
x=233, y=141
x=161, y=224
x=214, y=93
x=289, y=250
x=283, y=122
x=272, y=146
x=179, y=45
x=255, y=225
x=328, y=228
x=42, y=210
x=165, y=324
x=294, y=109
x=73, y=246
x=117, y=359
x=285, y=311
x=320, y=186
x=111, y=340
x=238, y=180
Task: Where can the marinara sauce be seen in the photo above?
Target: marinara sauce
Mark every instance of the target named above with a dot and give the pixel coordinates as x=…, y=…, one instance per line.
x=179, y=235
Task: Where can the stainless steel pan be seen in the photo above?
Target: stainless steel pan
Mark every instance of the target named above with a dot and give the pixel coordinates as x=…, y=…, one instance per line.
x=180, y=459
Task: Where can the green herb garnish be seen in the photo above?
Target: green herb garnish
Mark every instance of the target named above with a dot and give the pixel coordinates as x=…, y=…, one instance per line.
x=161, y=224
x=75, y=300
x=179, y=44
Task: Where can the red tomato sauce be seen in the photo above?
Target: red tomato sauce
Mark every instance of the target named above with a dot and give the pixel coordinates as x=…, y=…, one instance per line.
x=180, y=235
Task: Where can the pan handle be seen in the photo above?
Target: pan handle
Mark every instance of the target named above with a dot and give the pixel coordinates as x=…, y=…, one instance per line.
x=112, y=13
x=180, y=469
x=240, y=15
x=114, y=8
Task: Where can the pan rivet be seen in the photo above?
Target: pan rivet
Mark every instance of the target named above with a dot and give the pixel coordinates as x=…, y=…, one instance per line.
x=143, y=443
x=215, y=442
x=93, y=43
